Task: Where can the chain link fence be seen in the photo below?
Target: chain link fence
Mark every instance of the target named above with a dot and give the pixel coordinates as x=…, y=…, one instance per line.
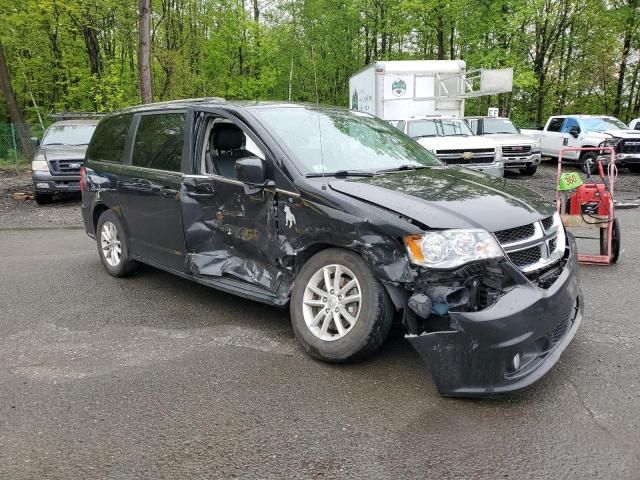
x=16, y=148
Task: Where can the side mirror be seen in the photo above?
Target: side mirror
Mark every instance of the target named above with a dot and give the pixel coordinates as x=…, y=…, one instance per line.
x=252, y=171
x=574, y=131
x=35, y=141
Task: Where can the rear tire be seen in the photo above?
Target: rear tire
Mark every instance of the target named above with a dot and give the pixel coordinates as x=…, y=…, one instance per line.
x=112, y=245
x=316, y=309
x=43, y=198
x=529, y=170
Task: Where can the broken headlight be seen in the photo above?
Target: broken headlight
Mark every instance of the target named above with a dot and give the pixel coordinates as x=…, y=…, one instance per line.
x=452, y=248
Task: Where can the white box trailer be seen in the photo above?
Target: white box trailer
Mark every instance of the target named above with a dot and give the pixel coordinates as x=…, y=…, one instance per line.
x=400, y=89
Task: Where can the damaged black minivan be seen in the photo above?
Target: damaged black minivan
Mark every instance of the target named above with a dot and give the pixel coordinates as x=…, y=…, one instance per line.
x=347, y=221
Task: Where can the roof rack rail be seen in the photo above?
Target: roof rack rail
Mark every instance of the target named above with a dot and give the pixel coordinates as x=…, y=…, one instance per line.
x=58, y=116
x=190, y=100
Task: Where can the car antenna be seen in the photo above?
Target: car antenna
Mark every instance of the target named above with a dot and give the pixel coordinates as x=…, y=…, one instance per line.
x=315, y=78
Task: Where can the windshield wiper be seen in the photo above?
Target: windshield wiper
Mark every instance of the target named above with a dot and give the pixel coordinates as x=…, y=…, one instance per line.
x=402, y=168
x=342, y=173
x=424, y=136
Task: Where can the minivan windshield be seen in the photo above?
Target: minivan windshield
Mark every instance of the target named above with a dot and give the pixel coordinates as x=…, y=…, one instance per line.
x=330, y=140
x=68, y=135
x=498, y=125
x=438, y=127
x=600, y=124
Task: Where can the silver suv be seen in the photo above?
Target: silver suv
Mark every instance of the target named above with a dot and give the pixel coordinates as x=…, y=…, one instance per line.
x=56, y=164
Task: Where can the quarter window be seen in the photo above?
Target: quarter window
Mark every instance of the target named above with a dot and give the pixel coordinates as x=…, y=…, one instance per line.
x=159, y=141
x=108, y=141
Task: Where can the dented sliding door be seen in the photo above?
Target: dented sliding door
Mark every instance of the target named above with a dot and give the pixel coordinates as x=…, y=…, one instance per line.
x=230, y=230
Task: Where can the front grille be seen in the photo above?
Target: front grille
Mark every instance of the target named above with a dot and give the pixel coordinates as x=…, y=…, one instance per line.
x=631, y=145
x=515, y=150
x=552, y=245
x=560, y=330
x=547, y=277
x=65, y=167
x=515, y=234
x=470, y=156
x=547, y=223
x=525, y=257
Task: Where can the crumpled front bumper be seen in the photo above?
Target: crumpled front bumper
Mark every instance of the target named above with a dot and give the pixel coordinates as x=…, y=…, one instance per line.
x=477, y=359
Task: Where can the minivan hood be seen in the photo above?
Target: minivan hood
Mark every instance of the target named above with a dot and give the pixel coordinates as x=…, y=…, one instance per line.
x=63, y=152
x=455, y=142
x=450, y=197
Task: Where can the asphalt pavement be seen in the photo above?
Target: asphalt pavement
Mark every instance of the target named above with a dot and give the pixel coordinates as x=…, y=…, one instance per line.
x=157, y=377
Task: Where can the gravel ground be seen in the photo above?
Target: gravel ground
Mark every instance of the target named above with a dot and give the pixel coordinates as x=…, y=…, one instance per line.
x=627, y=187
x=65, y=211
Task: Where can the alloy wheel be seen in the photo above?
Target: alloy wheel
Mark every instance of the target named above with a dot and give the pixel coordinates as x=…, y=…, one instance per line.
x=110, y=243
x=331, y=303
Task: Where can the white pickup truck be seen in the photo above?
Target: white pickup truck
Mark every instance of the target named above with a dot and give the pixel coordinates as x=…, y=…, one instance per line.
x=581, y=131
x=452, y=141
x=519, y=152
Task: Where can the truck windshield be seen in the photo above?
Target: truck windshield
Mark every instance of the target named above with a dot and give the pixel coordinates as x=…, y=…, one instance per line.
x=68, y=135
x=438, y=127
x=600, y=124
x=498, y=125
x=329, y=140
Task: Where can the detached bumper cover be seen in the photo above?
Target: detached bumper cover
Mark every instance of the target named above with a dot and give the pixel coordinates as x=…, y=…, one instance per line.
x=54, y=183
x=477, y=359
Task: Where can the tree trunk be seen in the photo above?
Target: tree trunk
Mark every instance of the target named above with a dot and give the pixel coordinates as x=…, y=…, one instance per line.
x=440, y=35
x=144, y=50
x=15, y=113
x=626, y=48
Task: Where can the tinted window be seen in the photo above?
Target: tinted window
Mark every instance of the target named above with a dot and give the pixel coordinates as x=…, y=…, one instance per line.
x=109, y=139
x=159, y=141
x=555, y=125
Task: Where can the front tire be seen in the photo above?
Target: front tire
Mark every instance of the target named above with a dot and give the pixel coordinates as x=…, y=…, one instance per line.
x=589, y=163
x=339, y=311
x=112, y=245
x=43, y=198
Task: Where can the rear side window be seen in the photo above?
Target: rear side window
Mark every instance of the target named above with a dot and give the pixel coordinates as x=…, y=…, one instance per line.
x=555, y=125
x=108, y=141
x=159, y=141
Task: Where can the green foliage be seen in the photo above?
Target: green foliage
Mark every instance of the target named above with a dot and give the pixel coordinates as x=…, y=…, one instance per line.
x=82, y=54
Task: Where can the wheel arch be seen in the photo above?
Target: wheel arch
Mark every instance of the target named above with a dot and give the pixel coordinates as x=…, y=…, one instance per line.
x=102, y=207
x=396, y=293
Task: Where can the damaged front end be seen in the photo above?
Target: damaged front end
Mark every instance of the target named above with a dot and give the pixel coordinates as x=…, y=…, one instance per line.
x=489, y=327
